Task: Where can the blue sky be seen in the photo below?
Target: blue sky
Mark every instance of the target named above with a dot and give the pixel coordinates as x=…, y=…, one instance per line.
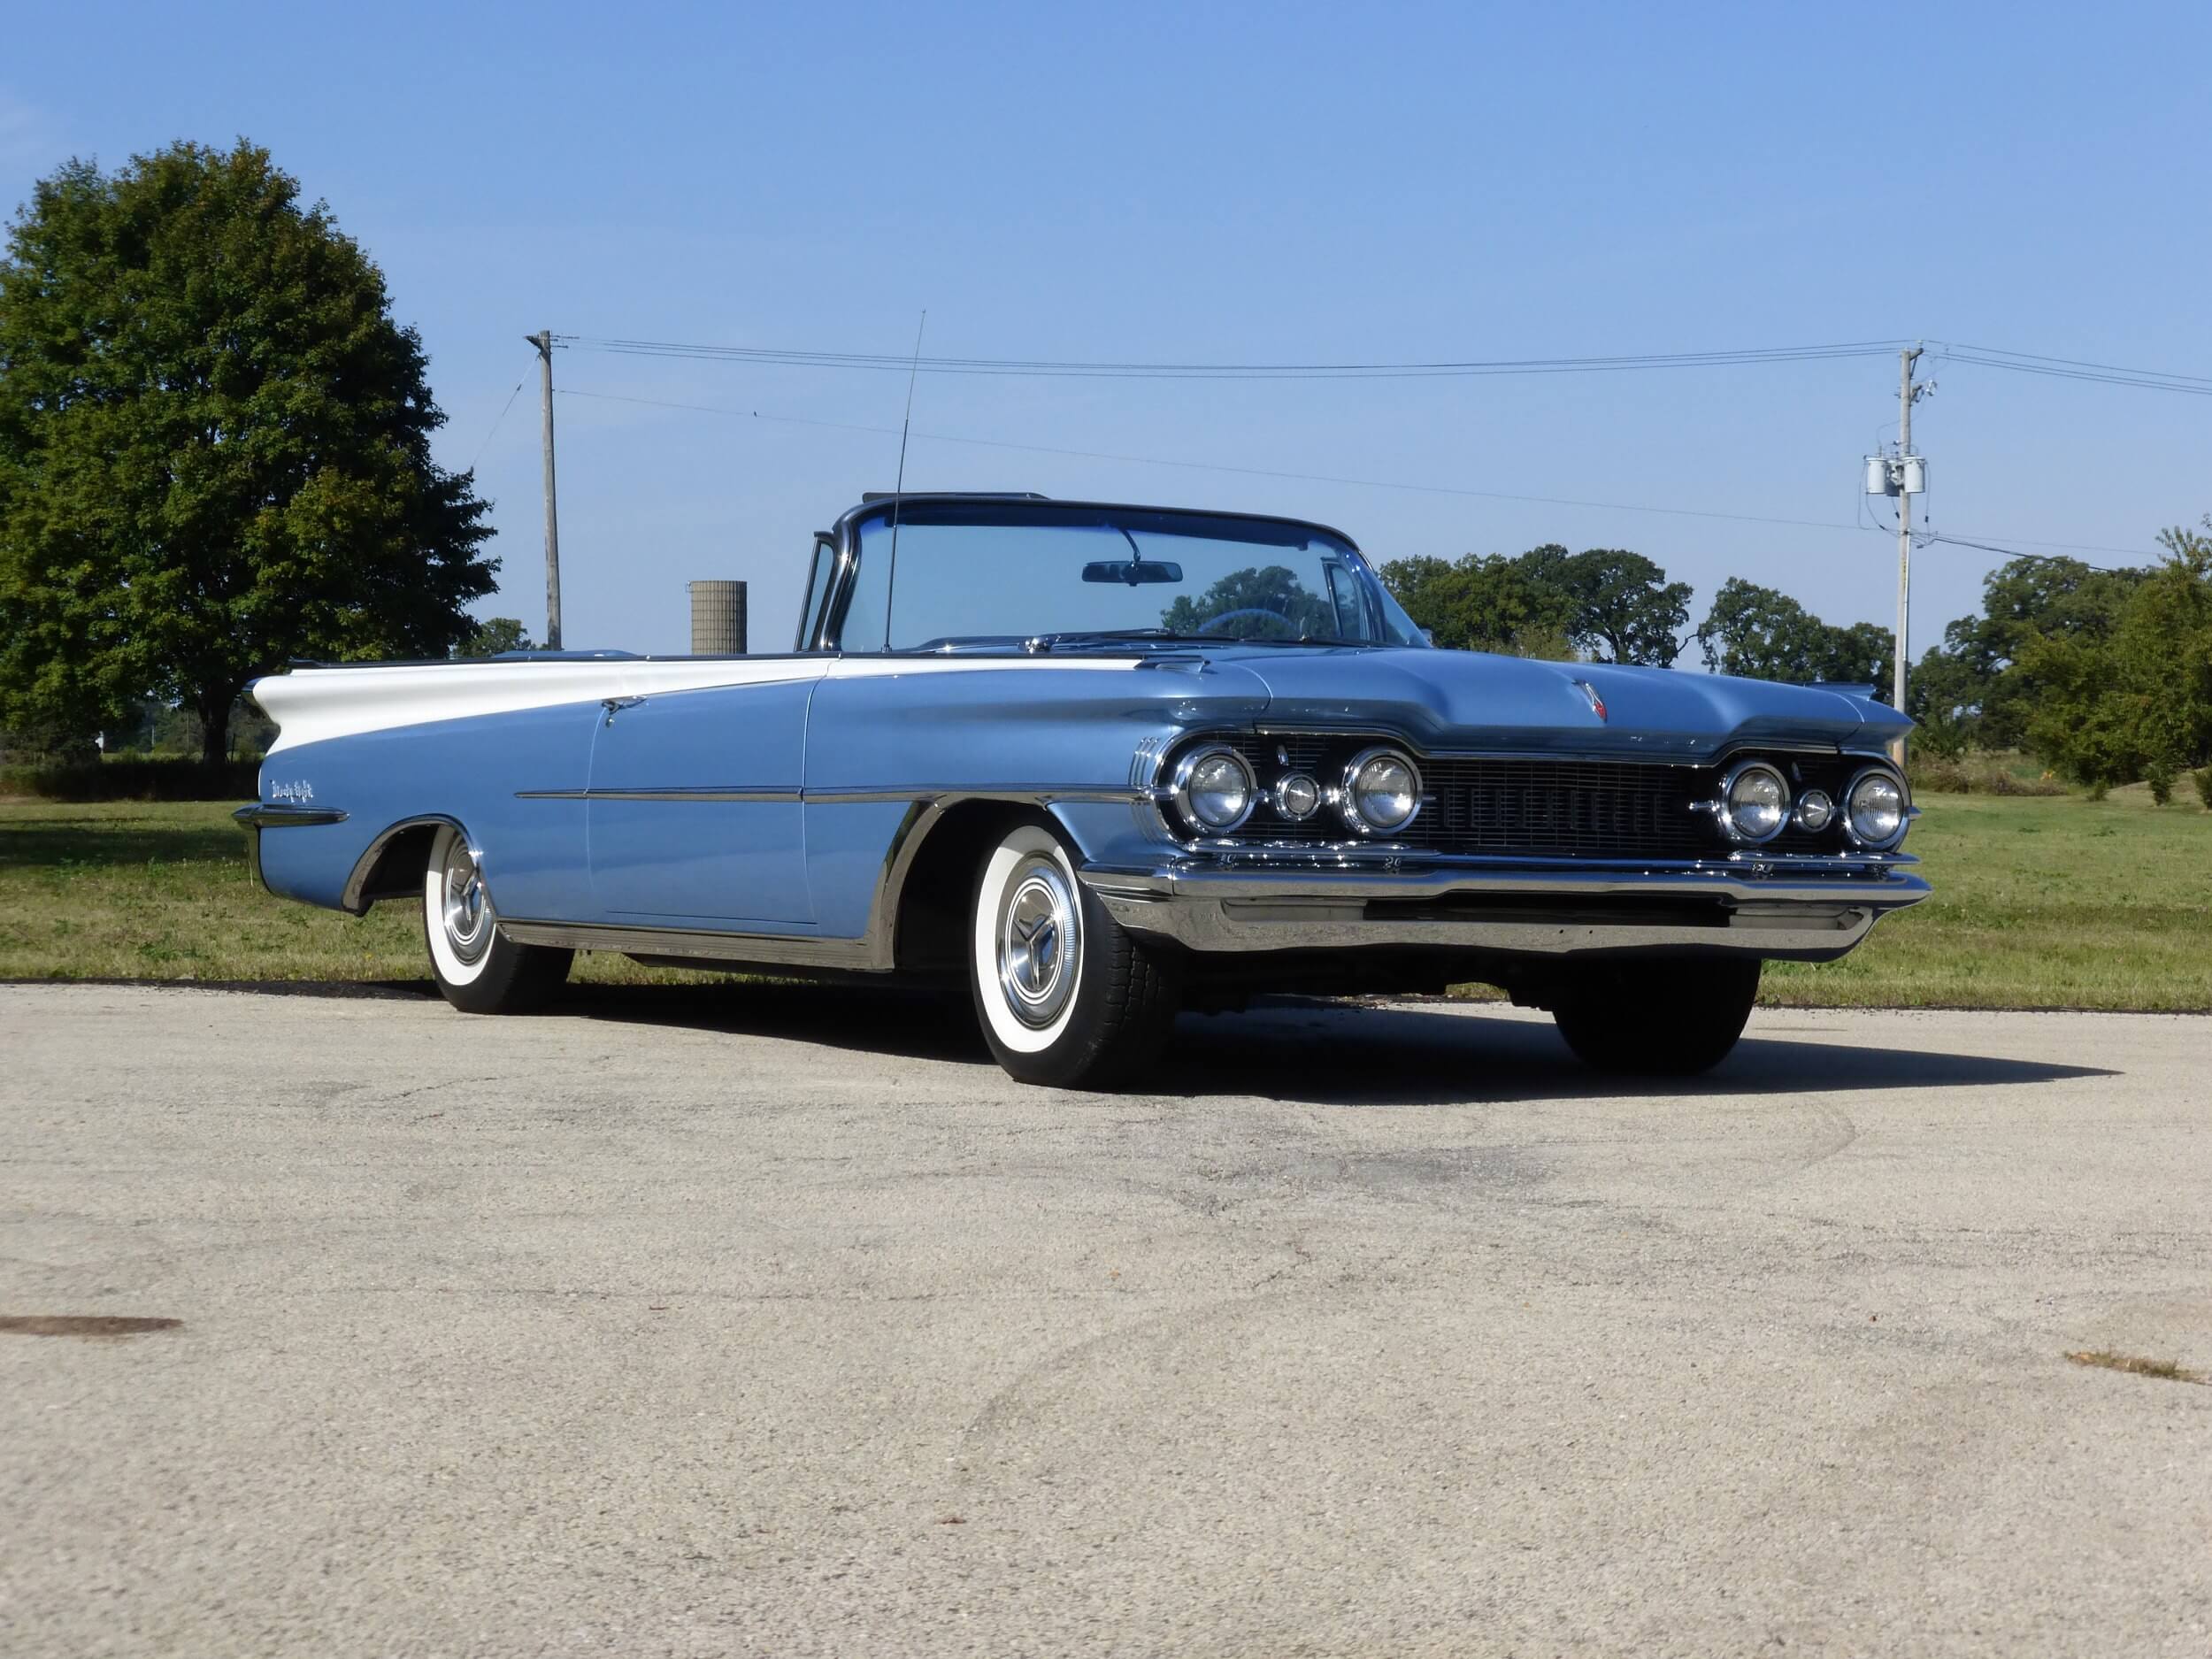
x=1237, y=183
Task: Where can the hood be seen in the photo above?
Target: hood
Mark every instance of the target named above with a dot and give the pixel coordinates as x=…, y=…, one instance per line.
x=1471, y=700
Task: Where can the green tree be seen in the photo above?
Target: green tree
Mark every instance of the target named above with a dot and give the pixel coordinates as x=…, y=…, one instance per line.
x=214, y=447
x=1621, y=607
x=495, y=635
x=1482, y=603
x=1975, y=675
x=1276, y=605
x=2112, y=706
x=1606, y=604
x=1764, y=634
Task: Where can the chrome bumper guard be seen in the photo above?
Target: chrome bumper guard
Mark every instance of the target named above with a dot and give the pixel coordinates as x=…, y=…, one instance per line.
x=1810, y=909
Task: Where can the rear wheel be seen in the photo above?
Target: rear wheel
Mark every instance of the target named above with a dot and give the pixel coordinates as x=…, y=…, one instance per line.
x=478, y=968
x=1065, y=996
x=1657, y=1019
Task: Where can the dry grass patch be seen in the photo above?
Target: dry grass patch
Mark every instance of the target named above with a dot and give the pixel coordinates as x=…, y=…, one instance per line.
x=2134, y=1365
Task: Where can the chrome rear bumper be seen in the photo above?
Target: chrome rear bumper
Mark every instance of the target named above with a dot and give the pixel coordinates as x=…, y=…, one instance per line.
x=1807, y=910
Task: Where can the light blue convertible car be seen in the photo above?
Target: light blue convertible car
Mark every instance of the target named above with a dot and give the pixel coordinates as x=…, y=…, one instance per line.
x=1102, y=763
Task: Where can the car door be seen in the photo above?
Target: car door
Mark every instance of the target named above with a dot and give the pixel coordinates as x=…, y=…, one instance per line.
x=694, y=816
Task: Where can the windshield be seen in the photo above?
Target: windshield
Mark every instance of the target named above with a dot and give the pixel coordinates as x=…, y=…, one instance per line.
x=966, y=574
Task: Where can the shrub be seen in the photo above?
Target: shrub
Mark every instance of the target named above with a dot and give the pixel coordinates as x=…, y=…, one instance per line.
x=2204, y=787
x=1932, y=773
x=2004, y=782
x=2098, y=787
x=148, y=778
x=1943, y=737
x=2160, y=776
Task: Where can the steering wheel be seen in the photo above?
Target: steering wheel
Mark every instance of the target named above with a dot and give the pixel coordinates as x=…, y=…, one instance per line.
x=1276, y=616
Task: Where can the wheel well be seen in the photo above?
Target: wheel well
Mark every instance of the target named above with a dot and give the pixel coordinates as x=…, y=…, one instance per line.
x=392, y=868
x=930, y=932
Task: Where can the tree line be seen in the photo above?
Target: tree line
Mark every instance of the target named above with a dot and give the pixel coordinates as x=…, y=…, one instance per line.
x=2106, y=675
x=1612, y=605
x=215, y=458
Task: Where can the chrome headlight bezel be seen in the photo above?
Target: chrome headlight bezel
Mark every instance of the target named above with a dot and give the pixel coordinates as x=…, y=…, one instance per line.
x=1890, y=775
x=1347, y=791
x=1724, y=805
x=1189, y=765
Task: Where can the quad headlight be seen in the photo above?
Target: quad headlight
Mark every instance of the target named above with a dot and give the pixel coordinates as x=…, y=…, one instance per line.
x=1754, y=802
x=1213, y=789
x=1382, y=792
x=1874, y=809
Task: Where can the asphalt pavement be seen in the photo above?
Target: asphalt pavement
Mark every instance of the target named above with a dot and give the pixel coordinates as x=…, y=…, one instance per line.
x=767, y=1320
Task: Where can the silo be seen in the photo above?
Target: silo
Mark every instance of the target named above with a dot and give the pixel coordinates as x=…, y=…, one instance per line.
x=718, y=619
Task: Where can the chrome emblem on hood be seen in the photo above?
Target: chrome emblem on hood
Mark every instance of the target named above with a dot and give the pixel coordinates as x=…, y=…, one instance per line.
x=1597, y=703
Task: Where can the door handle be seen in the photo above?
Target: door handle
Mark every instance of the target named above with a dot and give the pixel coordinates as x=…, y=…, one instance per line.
x=615, y=705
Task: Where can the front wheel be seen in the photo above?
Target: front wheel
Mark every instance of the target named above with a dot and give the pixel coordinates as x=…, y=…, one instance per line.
x=478, y=968
x=1065, y=996
x=1657, y=1017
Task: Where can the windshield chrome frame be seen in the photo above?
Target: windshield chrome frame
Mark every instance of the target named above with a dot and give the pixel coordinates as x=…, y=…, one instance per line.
x=845, y=535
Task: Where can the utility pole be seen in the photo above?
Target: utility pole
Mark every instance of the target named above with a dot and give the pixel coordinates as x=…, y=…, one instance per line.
x=543, y=342
x=1906, y=393
x=1903, y=476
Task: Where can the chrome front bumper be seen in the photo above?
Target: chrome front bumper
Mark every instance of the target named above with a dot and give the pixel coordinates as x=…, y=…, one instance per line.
x=1811, y=910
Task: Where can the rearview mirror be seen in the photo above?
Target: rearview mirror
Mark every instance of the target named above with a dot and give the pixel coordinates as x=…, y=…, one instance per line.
x=1132, y=571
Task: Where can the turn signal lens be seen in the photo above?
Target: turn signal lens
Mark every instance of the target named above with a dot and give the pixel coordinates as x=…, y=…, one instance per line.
x=1816, y=810
x=1876, y=808
x=1297, y=797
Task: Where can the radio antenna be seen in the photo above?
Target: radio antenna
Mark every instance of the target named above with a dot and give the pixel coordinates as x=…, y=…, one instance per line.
x=898, y=489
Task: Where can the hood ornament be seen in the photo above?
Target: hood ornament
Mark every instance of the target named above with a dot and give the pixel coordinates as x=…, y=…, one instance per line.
x=1597, y=703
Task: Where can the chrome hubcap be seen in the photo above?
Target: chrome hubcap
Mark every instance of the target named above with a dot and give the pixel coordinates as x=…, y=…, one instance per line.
x=467, y=907
x=1039, y=943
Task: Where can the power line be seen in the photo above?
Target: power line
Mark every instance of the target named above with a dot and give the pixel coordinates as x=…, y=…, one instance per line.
x=503, y=408
x=2078, y=363
x=2076, y=369
x=1261, y=471
x=1082, y=369
x=1985, y=547
x=1985, y=357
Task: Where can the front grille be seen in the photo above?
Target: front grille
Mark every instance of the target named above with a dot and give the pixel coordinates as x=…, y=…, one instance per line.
x=1564, y=807
x=1537, y=808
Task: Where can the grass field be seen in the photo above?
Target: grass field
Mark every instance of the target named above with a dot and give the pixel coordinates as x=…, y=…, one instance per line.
x=136, y=890
x=2060, y=902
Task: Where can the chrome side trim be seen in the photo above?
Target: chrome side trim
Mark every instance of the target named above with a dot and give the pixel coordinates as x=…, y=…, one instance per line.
x=656, y=794
x=263, y=815
x=745, y=950
x=1039, y=793
x=1031, y=793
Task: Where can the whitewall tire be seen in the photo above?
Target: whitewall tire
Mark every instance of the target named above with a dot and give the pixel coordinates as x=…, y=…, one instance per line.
x=1065, y=996
x=478, y=968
